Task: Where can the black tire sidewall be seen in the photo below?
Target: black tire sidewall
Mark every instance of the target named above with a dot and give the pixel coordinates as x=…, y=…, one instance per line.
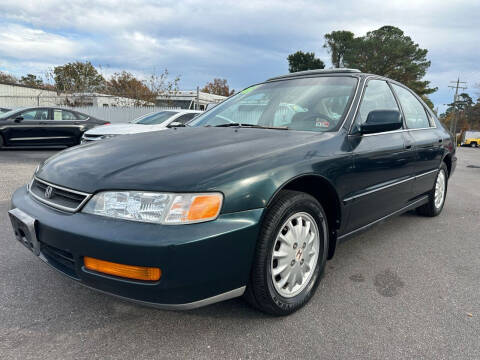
x=308, y=205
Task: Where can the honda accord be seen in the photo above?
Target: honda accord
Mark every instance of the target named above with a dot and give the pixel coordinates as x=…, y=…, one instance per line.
x=251, y=198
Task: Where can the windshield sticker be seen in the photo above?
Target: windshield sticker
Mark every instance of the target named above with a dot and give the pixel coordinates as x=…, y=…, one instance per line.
x=322, y=123
x=247, y=90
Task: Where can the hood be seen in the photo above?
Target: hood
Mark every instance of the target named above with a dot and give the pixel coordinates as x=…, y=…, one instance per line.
x=123, y=129
x=182, y=159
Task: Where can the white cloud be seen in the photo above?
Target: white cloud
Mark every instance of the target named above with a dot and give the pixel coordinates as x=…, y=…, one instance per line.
x=25, y=43
x=244, y=41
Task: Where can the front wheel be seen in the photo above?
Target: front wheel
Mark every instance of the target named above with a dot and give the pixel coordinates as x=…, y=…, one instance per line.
x=436, y=197
x=290, y=256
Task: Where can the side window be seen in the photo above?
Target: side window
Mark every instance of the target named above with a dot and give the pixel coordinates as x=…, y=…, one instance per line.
x=36, y=114
x=68, y=115
x=185, y=118
x=42, y=114
x=28, y=115
x=81, y=116
x=415, y=114
x=377, y=96
x=63, y=115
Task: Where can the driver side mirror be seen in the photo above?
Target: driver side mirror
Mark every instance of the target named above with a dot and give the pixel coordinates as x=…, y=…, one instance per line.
x=18, y=119
x=381, y=121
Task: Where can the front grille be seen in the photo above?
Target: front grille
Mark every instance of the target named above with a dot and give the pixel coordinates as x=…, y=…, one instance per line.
x=57, y=196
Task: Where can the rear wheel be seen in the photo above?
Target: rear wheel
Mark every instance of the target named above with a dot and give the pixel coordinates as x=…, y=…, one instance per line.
x=436, y=197
x=290, y=256
x=2, y=143
x=473, y=144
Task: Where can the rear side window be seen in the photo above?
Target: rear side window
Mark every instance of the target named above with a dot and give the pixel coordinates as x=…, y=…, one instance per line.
x=63, y=115
x=415, y=114
x=378, y=96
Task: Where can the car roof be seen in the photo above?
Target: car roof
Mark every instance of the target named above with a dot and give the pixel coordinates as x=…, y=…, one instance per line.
x=316, y=72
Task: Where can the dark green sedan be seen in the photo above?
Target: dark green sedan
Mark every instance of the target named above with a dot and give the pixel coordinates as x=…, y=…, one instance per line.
x=251, y=198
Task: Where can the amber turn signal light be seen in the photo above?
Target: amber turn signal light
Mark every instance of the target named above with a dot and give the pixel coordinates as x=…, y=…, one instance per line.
x=126, y=271
x=205, y=207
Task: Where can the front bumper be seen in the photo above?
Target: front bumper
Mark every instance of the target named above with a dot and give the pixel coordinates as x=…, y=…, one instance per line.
x=201, y=263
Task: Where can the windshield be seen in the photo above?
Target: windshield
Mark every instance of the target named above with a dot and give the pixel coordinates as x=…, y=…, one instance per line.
x=308, y=104
x=155, y=118
x=8, y=114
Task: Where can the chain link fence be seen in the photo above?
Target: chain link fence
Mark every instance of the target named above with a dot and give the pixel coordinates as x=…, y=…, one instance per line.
x=110, y=108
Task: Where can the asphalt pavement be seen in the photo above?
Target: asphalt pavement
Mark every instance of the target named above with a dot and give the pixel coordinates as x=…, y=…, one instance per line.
x=406, y=289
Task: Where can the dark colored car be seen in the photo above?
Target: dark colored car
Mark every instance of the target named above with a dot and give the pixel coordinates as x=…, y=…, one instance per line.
x=44, y=127
x=251, y=198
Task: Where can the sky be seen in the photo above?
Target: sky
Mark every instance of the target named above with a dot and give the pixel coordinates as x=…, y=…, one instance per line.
x=245, y=42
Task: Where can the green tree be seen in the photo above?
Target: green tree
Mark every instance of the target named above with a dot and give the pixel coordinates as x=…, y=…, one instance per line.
x=31, y=80
x=78, y=77
x=386, y=51
x=218, y=87
x=301, y=61
x=338, y=43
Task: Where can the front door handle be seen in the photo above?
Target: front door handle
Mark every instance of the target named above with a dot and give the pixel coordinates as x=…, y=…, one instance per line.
x=440, y=140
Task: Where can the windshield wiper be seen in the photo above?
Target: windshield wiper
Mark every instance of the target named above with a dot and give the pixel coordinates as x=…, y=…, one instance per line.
x=252, y=126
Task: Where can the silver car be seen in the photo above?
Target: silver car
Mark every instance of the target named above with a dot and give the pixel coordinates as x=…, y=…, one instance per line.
x=156, y=121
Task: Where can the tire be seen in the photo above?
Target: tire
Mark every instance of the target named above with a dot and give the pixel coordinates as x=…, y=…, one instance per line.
x=265, y=291
x=433, y=208
x=474, y=144
x=2, y=143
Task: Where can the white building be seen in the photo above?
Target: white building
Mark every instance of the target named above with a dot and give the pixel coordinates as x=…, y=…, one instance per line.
x=187, y=99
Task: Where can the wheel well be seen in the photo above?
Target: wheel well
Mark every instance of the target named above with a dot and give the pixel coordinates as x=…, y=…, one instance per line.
x=325, y=193
x=448, y=161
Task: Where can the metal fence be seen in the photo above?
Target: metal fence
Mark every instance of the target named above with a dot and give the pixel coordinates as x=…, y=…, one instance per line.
x=113, y=109
x=118, y=114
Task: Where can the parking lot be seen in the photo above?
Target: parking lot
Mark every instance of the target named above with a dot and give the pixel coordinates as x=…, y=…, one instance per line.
x=405, y=289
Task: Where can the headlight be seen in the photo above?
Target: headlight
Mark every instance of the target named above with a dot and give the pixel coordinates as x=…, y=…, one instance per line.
x=160, y=208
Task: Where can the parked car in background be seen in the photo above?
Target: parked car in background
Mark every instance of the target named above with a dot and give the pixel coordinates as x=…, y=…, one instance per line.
x=156, y=121
x=4, y=110
x=44, y=127
x=471, y=138
x=250, y=198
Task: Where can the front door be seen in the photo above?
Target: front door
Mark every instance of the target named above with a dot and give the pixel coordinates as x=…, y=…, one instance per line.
x=383, y=162
x=24, y=128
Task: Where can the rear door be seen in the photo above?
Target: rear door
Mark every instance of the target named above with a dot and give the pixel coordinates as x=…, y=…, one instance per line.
x=63, y=128
x=382, y=180
x=25, y=129
x=426, y=138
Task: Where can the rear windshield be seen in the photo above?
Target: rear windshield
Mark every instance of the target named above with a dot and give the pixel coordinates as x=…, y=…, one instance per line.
x=155, y=118
x=309, y=104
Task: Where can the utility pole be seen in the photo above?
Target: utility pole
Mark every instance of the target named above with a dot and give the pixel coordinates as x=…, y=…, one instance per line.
x=453, y=124
x=198, y=99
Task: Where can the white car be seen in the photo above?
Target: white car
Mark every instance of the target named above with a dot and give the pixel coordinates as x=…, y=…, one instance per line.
x=156, y=121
